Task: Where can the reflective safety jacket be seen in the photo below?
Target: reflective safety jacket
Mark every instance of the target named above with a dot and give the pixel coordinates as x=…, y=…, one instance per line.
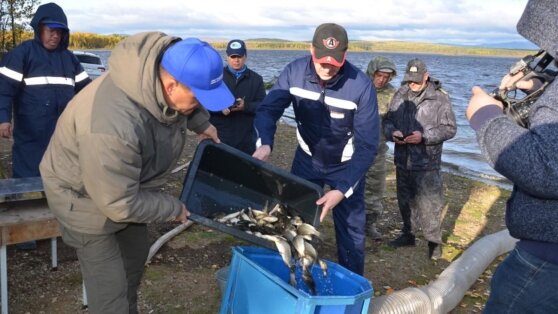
x=337, y=121
x=35, y=86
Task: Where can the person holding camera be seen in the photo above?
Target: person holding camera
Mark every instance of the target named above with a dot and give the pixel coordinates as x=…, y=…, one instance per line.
x=420, y=118
x=527, y=280
x=235, y=124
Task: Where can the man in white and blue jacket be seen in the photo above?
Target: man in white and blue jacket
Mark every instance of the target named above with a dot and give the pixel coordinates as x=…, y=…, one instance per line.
x=527, y=280
x=37, y=80
x=337, y=120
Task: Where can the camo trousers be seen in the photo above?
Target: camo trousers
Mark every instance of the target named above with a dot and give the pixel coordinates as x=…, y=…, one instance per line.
x=376, y=185
x=421, y=199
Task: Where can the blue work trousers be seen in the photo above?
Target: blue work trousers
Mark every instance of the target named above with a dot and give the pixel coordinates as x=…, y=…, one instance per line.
x=348, y=216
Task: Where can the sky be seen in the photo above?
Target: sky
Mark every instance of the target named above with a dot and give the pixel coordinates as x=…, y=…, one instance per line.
x=488, y=23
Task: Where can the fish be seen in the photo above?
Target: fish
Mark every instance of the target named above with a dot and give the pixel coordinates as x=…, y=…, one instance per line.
x=307, y=275
x=307, y=229
x=285, y=252
x=290, y=234
x=228, y=217
x=299, y=246
x=323, y=266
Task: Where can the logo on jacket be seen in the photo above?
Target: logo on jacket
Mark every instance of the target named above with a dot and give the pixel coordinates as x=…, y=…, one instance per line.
x=331, y=43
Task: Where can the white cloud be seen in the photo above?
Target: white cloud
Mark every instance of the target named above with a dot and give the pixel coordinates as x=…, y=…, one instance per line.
x=456, y=22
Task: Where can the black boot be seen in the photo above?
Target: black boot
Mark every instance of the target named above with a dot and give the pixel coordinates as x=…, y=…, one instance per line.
x=434, y=251
x=406, y=239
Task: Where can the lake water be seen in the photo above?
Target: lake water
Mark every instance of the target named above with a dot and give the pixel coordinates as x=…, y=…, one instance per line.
x=458, y=75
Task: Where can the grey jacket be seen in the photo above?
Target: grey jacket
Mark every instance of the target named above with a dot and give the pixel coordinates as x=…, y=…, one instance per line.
x=430, y=113
x=528, y=157
x=115, y=143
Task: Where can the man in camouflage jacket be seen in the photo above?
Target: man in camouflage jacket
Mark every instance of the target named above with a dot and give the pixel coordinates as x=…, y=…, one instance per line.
x=381, y=71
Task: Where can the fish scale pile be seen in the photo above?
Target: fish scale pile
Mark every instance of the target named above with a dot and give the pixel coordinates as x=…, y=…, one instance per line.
x=291, y=235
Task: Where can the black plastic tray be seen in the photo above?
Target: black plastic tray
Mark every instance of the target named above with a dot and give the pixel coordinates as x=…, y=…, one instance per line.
x=222, y=179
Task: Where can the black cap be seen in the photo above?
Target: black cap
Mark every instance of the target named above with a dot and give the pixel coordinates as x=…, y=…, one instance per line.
x=415, y=71
x=236, y=47
x=330, y=44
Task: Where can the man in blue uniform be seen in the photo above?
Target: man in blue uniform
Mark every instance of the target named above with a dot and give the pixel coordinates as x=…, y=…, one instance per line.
x=37, y=79
x=337, y=128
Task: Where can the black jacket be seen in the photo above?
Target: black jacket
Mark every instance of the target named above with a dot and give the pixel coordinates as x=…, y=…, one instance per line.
x=237, y=128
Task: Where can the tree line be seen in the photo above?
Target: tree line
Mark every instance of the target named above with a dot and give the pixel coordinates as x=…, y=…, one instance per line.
x=15, y=16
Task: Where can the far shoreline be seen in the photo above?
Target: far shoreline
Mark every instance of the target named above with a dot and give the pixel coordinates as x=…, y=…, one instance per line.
x=376, y=47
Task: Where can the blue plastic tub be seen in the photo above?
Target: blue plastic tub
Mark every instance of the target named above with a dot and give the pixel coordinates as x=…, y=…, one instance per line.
x=258, y=283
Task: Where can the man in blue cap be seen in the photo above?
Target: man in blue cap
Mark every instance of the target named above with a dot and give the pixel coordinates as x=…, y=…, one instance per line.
x=37, y=79
x=236, y=123
x=112, y=149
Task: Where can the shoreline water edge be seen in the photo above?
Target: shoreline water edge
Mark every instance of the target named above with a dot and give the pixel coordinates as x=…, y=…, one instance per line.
x=458, y=74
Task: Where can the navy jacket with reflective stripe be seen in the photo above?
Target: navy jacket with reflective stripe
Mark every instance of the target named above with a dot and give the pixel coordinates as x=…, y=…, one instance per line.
x=337, y=124
x=35, y=86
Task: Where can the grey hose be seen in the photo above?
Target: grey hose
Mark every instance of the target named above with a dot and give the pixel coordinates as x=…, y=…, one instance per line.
x=165, y=238
x=446, y=292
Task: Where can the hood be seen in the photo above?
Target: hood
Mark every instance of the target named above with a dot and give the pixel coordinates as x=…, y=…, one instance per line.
x=539, y=24
x=134, y=68
x=51, y=13
x=381, y=63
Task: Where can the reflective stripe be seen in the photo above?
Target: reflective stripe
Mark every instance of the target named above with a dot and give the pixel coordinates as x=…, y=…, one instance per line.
x=302, y=143
x=340, y=103
x=330, y=101
x=349, y=193
x=348, y=150
x=297, y=91
x=49, y=80
x=82, y=76
x=11, y=74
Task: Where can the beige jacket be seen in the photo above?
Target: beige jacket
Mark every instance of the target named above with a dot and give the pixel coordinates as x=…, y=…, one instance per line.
x=115, y=143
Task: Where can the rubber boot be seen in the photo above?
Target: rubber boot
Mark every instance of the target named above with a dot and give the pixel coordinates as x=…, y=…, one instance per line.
x=372, y=232
x=434, y=251
x=406, y=239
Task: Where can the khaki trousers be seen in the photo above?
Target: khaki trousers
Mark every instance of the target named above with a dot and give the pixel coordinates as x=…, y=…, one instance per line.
x=112, y=266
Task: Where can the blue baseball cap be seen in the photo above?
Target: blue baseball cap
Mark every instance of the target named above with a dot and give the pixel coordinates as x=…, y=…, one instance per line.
x=55, y=25
x=197, y=65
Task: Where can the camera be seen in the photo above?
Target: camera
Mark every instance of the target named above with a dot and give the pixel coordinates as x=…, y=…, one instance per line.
x=533, y=67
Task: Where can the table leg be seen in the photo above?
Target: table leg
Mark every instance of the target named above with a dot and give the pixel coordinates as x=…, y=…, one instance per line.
x=54, y=253
x=4, y=279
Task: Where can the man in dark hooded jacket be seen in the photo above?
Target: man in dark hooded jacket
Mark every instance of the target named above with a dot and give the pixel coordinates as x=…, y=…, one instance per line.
x=38, y=77
x=527, y=280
